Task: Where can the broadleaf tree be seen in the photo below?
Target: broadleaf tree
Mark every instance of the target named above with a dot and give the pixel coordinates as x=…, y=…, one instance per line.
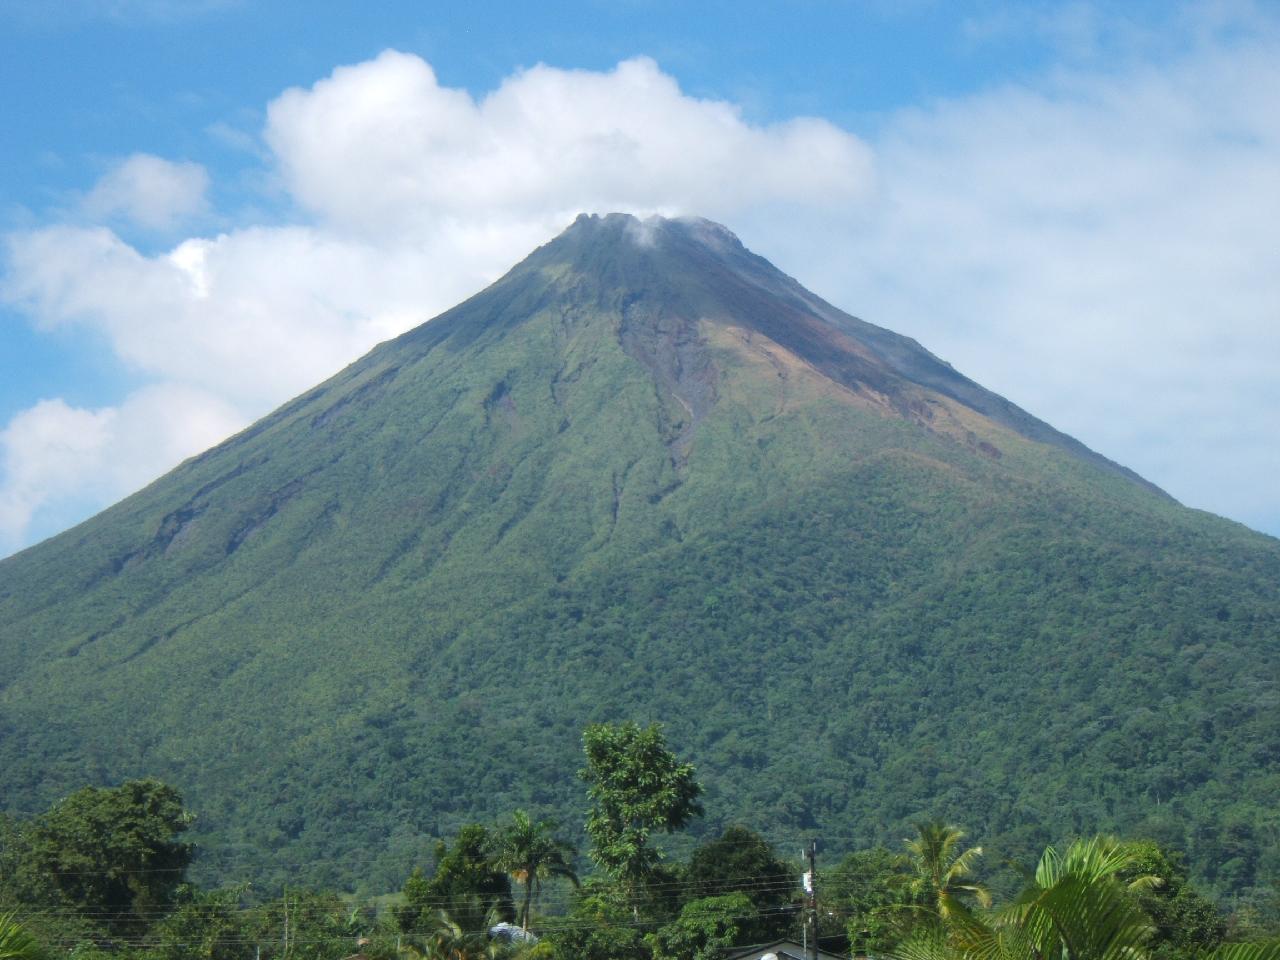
x=114, y=851
x=636, y=787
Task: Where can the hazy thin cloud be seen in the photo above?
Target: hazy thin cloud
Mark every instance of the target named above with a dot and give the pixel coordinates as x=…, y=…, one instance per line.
x=149, y=192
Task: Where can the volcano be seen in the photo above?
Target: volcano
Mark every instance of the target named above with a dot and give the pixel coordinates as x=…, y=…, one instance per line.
x=647, y=475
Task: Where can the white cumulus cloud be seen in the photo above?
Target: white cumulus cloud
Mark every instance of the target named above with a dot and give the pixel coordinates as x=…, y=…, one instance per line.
x=381, y=147
x=254, y=316
x=411, y=196
x=60, y=461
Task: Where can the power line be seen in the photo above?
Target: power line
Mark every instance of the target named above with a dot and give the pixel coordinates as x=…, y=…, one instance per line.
x=203, y=860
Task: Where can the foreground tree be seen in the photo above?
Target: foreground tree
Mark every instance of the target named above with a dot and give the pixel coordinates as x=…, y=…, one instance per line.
x=208, y=925
x=16, y=943
x=1186, y=923
x=467, y=886
x=705, y=929
x=742, y=861
x=114, y=853
x=530, y=853
x=1074, y=908
x=871, y=891
x=636, y=786
x=448, y=940
x=1082, y=904
x=941, y=870
x=304, y=925
x=601, y=927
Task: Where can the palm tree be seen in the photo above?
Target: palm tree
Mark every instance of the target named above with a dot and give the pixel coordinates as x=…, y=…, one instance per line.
x=16, y=943
x=940, y=868
x=1073, y=907
x=449, y=941
x=530, y=854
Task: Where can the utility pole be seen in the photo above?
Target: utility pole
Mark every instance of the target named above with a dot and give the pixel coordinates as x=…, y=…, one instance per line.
x=811, y=905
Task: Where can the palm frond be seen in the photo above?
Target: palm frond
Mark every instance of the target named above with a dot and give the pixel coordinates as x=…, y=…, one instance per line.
x=928, y=943
x=1261, y=950
x=963, y=865
x=1093, y=919
x=16, y=943
x=1049, y=869
x=997, y=943
x=1098, y=857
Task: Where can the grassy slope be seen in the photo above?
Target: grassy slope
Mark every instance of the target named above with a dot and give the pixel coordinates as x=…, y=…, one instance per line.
x=393, y=605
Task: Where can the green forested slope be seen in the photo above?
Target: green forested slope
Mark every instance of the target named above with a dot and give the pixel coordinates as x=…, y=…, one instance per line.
x=633, y=479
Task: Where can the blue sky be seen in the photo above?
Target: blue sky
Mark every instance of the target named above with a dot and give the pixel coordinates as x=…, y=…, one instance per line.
x=208, y=205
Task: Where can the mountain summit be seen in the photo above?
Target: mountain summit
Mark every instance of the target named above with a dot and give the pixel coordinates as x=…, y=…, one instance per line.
x=680, y=273
x=645, y=474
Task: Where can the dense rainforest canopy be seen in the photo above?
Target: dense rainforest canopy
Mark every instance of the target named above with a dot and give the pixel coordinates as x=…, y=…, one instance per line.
x=102, y=875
